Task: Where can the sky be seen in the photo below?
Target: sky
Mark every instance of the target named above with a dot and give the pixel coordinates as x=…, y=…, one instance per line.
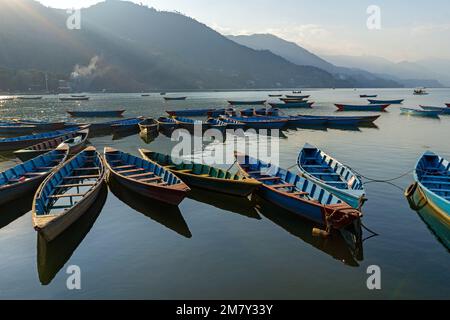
x=408, y=30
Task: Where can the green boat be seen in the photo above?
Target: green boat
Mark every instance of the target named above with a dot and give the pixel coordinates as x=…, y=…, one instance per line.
x=204, y=176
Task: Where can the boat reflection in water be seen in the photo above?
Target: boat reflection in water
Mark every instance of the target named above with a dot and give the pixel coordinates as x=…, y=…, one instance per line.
x=239, y=205
x=344, y=245
x=168, y=216
x=15, y=209
x=148, y=136
x=53, y=255
x=439, y=227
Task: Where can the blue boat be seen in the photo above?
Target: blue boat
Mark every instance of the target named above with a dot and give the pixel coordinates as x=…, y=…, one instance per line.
x=368, y=95
x=175, y=98
x=16, y=143
x=373, y=101
x=97, y=114
x=67, y=193
x=368, y=107
x=215, y=123
x=232, y=124
x=220, y=112
x=299, y=195
x=344, y=120
x=331, y=175
x=145, y=177
x=128, y=125
x=267, y=112
x=432, y=187
x=441, y=110
x=296, y=97
x=248, y=112
x=191, y=124
x=246, y=103
x=420, y=112
x=262, y=122
x=306, y=121
x=292, y=105
x=107, y=126
x=26, y=177
x=189, y=112
x=166, y=123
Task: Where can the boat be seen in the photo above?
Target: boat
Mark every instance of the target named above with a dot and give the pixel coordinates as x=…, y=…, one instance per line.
x=215, y=123
x=67, y=193
x=8, y=144
x=129, y=125
x=268, y=112
x=145, y=95
x=78, y=95
x=368, y=95
x=246, y=103
x=74, y=98
x=299, y=195
x=420, y=112
x=432, y=188
x=296, y=97
x=75, y=141
x=145, y=177
x=441, y=110
x=175, y=98
x=167, y=123
x=420, y=92
x=296, y=91
x=29, y=98
x=149, y=125
x=275, y=95
x=262, y=122
x=107, y=126
x=189, y=112
x=368, y=107
x=97, y=114
x=344, y=121
x=284, y=105
x=191, y=124
x=298, y=121
x=331, y=175
x=248, y=112
x=26, y=177
x=163, y=93
x=42, y=125
x=16, y=129
x=373, y=101
x=232, y=124
x=204, y=176
x=220, y=112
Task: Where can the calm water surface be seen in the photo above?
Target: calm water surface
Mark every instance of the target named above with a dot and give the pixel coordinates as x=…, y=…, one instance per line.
x=221, y=247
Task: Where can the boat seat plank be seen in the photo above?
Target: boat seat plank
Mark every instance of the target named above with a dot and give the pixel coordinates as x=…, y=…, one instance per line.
x=73, y=185
x=86, y=169
x=132, y=170
x=81, y=177
x=286, y=185
x=140, y=175
x=129, y=166
x=151, y=179
x=269, y=179
x=72, y=195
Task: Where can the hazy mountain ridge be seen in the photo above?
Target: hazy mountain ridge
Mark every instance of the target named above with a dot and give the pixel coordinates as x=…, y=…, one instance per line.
x=140, y=48
x=379, y=72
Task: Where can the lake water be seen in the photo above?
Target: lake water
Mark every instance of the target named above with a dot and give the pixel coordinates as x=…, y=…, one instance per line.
x=218, y=247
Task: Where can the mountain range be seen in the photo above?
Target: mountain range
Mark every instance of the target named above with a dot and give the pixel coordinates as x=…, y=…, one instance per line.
x=126, y=47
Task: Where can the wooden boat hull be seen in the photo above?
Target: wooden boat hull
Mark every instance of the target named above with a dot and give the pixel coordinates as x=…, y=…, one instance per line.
x=175, y=98
x=51, y=226
x=97, y=114
x=353, y=193
x=256, y=123
x=43, y=126
x=295, y=97
x=368, y=95
x=370, y=107
x=373, y=101
x=189, y=113
x=171, y=194
x=302, y=121
x=17, y=129
x=430, y=210
x=292, y=105
x=27, y=141
x=165, y=124
x=420, y=113
x=440, y=110
x=246, y=103
x=74, y=99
